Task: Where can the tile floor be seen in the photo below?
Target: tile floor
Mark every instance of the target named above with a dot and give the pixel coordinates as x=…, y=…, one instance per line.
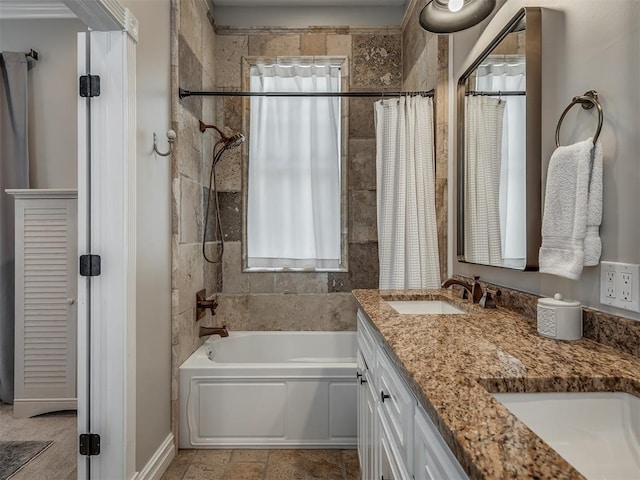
x=56, y=462
x=264, y=465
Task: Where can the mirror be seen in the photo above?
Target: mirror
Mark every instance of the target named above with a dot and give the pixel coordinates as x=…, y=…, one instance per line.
x=498, y=153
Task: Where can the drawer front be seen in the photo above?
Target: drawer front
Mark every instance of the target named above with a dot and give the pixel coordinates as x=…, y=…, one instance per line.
x=366, y=340
x=397, y=404
x=433, y=460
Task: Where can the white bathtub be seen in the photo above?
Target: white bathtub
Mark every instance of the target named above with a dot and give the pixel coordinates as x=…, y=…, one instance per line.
x=271, y=390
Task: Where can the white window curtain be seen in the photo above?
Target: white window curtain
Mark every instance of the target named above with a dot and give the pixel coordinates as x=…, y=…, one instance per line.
x=407, y=231
x=483, y=152
x=294, y=190
x=508, y=74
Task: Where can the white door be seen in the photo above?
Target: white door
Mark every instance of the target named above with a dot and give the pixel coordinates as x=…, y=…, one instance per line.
x=106, y=228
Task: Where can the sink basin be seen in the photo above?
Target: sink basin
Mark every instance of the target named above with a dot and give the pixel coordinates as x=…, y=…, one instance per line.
x=597, y=433
x=421, y=307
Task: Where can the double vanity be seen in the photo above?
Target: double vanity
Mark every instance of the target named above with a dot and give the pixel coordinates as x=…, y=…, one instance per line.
x=452, y=390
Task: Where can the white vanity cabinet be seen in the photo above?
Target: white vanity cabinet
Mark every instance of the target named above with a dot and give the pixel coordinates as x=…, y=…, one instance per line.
x=46, y=273
x=396, y=438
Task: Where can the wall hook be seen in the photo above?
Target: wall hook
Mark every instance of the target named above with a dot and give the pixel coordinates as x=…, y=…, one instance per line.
x=171, y=137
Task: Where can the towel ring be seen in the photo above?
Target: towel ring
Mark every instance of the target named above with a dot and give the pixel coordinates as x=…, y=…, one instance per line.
x=588, y=101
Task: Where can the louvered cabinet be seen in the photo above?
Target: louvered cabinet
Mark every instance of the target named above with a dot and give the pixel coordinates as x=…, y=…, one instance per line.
x=45, y=292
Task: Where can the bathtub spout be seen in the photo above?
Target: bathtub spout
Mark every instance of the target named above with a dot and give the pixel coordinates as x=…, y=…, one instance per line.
x=206, y=331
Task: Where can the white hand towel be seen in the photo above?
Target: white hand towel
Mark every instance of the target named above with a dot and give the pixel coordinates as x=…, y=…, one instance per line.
x=564, y=220
x=592, y=243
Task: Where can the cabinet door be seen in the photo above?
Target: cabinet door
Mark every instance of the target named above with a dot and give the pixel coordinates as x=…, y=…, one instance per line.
x=361, y=411
x=390, y=463
x=45, y=292
x=386, y=470
x=367, y=433
x=397, y=403
x=433, y=460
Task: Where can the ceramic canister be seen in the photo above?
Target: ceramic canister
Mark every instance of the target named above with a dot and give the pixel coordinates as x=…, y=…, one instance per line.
x=559, y=318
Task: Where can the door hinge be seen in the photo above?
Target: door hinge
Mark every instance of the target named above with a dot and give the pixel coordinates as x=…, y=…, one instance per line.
x=89, y=444
x=90, y=86
x=90, y=265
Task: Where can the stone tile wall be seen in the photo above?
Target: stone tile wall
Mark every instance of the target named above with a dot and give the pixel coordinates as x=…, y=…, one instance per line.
x=425, y=66
x=304, y=301
x=192, y=68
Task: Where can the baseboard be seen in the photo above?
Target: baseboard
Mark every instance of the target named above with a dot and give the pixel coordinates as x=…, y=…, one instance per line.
x=159, y=462
x=30, y=407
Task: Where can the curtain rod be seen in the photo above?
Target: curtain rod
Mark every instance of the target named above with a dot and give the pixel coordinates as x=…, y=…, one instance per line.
x=188, y=93
x=513, y=93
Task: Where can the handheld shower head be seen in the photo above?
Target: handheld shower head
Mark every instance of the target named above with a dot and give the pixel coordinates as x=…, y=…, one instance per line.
x=234, y=141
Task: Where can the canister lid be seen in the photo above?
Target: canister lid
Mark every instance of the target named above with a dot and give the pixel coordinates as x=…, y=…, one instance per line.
x=558, y=301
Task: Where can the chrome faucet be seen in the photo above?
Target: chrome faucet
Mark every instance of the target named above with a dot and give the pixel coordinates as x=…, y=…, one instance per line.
x=206, y=331
x=473, y=290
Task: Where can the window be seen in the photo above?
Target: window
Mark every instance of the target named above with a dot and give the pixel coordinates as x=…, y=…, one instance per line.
x=294, y=214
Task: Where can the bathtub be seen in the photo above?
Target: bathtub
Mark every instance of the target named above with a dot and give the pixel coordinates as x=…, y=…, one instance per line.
x=270, y=390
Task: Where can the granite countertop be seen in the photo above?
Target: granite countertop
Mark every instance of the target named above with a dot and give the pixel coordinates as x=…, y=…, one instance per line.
x=453, y=362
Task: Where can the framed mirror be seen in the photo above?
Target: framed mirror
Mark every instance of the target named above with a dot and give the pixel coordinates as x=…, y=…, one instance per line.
x=498, y=153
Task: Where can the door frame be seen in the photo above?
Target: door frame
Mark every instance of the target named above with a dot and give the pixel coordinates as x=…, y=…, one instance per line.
x=106, y=208
x=113, y=222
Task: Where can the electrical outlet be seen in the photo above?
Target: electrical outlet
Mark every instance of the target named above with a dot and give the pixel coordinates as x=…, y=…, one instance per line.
x=610, y=287
x=620, y=285
x=625, y=288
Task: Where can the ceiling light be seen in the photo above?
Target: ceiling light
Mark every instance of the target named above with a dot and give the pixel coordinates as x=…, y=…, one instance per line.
x=455, y=5
x=448, y=16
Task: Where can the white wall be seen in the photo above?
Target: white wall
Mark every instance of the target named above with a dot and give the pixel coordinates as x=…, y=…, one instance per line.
x=587, y=44
x=153, y=316
x=53, y=91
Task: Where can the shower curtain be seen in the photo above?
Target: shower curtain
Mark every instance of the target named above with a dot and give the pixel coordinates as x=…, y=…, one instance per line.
x=407, y=232
x=14, y=173
x=483, y=152
x=509, y=74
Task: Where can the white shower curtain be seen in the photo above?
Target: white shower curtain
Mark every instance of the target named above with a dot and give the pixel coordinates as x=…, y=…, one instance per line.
x=14, y=173
x=294, y=214
x=509, y=74
x=483, y=152
x=407, y=231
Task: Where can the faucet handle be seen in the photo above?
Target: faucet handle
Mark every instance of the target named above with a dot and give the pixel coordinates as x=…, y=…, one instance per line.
x=487, y=300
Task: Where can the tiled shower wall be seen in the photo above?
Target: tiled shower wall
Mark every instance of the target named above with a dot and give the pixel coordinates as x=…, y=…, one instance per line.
x=425, y=66
x=304, y=301
x=192, y=68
